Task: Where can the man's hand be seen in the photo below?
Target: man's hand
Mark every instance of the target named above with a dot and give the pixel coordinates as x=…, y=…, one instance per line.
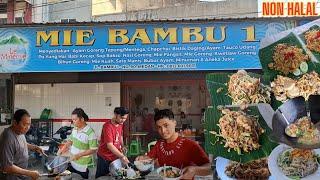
x=34, y=175
x=188, y=172
x=124, y=150
x=124, y=160
x=39, y=150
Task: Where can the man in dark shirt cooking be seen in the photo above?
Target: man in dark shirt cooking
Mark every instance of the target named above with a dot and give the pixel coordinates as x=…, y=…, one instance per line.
x=14, y=149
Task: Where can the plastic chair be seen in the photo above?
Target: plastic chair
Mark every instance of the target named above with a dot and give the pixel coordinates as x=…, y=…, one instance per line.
x=134, y=148
x=151, y=144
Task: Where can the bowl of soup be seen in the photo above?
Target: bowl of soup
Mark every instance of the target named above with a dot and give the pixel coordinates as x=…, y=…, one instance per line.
x=169, y=172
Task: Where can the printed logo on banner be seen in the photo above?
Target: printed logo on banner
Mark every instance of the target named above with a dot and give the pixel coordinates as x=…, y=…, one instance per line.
x=13, y=52
x=135, y=47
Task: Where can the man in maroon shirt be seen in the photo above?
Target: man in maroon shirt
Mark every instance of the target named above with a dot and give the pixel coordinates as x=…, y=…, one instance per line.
x=111, y=142
x=176, y=151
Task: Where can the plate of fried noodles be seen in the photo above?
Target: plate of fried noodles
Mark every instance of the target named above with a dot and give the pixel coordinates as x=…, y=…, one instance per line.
x=289, y=163
x=230, y=170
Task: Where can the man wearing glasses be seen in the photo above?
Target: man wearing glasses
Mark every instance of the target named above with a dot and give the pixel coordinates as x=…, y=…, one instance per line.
x=111, y=143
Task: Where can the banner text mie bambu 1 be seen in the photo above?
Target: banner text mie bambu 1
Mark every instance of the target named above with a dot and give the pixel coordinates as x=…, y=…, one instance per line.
x=86, y=37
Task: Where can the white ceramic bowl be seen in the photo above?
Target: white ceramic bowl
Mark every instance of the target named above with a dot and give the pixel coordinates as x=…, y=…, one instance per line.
x=144, y=167
x=167, y=178
x=277, y=172
x=115, y=166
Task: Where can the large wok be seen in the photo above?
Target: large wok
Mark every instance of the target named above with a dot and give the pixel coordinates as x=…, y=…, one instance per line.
x=289, y=112
x=56, y=166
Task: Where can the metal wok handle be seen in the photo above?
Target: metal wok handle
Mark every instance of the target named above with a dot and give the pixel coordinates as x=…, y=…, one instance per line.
x=284, y=117
x=49, y=175
x=67, y=161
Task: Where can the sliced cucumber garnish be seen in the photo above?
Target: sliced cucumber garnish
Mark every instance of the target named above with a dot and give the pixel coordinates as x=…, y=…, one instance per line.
x=297, y=72
x=304, y=67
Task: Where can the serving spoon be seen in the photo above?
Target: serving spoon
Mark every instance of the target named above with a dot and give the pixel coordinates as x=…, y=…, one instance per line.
x=287, y=129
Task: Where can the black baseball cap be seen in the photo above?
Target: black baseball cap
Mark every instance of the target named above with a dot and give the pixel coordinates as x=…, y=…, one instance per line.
x=121, y=111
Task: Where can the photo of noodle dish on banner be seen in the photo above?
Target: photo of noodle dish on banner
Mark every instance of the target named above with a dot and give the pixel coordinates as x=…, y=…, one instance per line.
x=283, y=142
x=292, y=53
x=238, y=133
x=290, y=62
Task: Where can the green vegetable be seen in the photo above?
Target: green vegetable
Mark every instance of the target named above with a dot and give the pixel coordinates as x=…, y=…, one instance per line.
x=304, y=67
x=294, y=177
x=297, y=72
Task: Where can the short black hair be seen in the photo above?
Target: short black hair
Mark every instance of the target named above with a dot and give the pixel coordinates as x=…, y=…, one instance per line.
x=19, y=114
x=80, y=113
x=121, y=111
x=164, y=113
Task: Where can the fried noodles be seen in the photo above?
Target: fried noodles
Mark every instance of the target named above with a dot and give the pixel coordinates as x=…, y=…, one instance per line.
x=286, y=88
x=298, y=163
x=287, y=58
x=239, y=131
x=244, y=89
x=313, y=40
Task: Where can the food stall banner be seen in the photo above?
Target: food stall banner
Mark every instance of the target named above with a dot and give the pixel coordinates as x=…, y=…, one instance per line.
x=156, y=46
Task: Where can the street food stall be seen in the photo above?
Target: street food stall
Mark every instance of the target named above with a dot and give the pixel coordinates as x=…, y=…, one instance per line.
x=177, y=65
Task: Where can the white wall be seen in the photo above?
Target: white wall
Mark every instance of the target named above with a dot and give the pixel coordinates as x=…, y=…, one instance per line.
x=40, y=12
x=63, y=98
x=183, y=9
x=76, y=9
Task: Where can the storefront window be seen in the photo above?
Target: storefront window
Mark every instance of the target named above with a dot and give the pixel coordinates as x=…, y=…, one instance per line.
x=5, y=100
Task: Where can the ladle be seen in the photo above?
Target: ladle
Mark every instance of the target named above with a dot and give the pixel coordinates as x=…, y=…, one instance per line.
x=48, y=165
x=287, y=129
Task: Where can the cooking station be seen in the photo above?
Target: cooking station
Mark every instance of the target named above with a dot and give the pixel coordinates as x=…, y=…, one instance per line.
x=41, y=164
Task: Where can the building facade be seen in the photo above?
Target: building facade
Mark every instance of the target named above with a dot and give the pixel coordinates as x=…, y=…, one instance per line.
x=132, y=10
x=15, y=12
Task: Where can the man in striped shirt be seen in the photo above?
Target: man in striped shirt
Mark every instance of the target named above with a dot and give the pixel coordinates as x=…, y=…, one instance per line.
x=83, y=142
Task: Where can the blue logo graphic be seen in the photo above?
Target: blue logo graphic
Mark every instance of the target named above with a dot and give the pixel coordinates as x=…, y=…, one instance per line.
x=13, y=53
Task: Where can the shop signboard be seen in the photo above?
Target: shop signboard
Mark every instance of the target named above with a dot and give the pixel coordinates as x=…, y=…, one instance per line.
x=154, y=46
